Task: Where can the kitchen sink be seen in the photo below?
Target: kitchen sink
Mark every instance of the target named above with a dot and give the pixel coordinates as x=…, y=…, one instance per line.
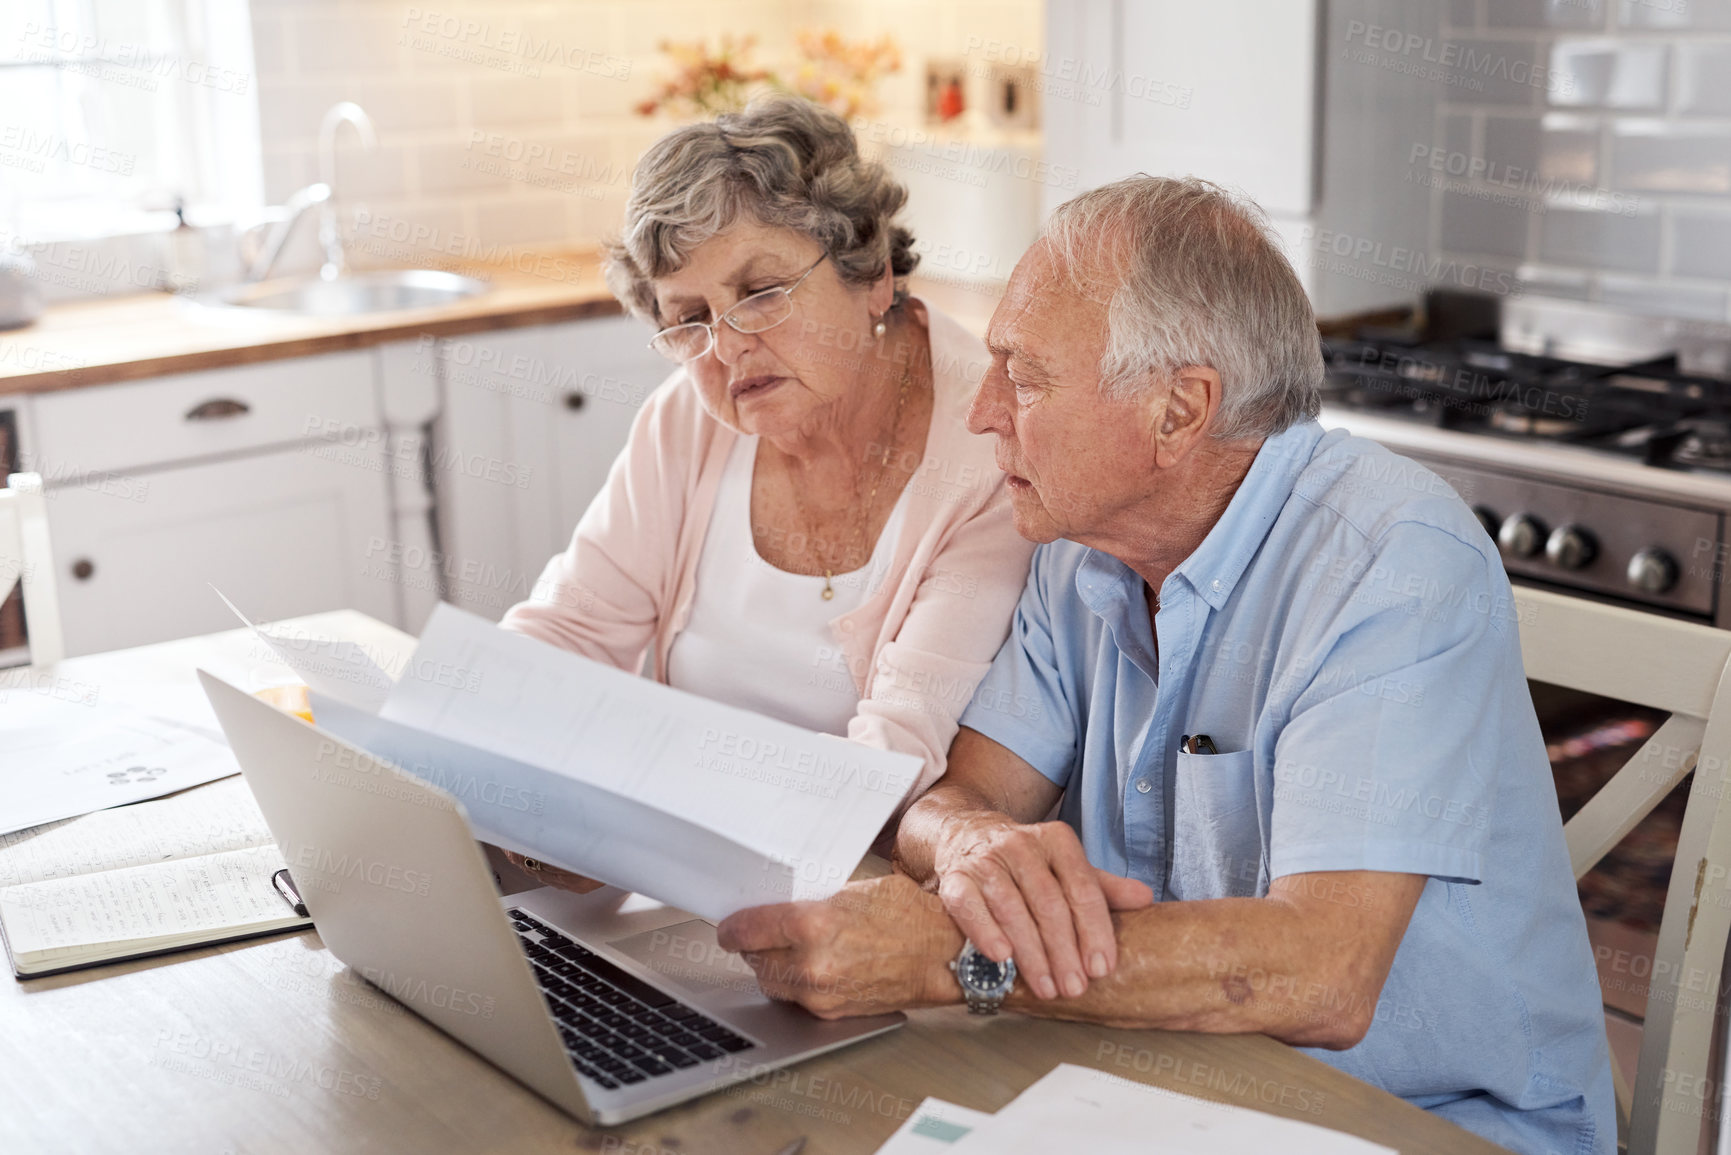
x=381, y=291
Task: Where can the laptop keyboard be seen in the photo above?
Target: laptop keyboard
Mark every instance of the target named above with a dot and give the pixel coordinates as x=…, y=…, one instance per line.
x=617, y=1028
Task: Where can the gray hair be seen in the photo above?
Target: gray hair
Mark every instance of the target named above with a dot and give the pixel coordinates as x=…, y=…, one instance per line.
x=1201, y=281
x=786, y=162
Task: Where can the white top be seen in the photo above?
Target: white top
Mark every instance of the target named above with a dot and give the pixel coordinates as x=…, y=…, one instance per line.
x=760, y=637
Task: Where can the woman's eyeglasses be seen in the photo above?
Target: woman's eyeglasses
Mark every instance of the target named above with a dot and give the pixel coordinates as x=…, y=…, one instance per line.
x=752, y=314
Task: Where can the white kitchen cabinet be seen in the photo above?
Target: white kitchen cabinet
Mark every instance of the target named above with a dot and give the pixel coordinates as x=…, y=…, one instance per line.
x=594, y=413
x=380, y=480
x=184, y=417
x=1225, y=90
x=532, y=420
x=283, y=533
x=269, y=481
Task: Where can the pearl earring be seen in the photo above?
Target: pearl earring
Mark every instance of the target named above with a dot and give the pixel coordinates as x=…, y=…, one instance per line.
x=879, y=329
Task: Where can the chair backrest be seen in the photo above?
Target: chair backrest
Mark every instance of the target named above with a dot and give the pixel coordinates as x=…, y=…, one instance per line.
x=27, y=559
x=1679, y=667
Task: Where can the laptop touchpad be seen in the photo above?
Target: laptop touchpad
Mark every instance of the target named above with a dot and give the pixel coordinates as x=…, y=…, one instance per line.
x=687, y=953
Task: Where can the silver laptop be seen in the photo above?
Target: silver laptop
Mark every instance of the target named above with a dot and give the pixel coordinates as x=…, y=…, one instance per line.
x=571, y=996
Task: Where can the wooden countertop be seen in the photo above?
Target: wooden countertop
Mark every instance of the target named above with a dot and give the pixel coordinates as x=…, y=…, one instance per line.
x=111, y=339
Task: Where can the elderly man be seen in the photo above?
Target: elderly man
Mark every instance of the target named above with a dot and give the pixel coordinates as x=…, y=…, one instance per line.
x=1267, y=674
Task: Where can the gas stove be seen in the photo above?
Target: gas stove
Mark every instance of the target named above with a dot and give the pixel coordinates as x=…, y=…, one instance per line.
x=1606, y=478
x=1650, y=411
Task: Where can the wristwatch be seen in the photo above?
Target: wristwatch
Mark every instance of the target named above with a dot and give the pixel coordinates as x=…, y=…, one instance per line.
x=985, y=984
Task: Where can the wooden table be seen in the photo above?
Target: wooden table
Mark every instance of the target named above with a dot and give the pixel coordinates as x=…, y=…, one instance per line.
x=273, y=1045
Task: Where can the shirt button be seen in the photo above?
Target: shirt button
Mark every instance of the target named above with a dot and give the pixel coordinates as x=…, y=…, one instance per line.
x=1143, y=785
x=1216, y=585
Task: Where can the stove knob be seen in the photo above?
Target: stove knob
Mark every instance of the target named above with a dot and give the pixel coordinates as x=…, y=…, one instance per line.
x=1487, y=519
x=1652, y=571
x=1571, y=547
x=1521, y=535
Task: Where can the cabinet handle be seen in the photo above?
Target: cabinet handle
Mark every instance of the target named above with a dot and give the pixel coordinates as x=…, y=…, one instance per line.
x=217, y=408
x=575, y=400
x=83, y=568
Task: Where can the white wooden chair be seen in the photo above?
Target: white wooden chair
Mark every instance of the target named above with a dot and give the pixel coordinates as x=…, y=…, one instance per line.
x=25, y=558
x=1679, y=667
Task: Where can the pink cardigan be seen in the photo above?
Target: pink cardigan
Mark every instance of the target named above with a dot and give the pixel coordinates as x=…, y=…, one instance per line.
x=916, y=648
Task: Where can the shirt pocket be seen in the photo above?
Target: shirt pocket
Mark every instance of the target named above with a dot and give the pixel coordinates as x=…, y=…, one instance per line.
x=1216, y=837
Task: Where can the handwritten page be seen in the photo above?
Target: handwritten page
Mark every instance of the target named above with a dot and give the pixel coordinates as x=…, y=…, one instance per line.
x=59, y=759
x=208, y=819
x=61, y=921
x=1080, y=1109
x=813, y=801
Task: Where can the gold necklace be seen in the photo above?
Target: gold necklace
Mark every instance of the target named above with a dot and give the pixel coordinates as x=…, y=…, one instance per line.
x=871, y=498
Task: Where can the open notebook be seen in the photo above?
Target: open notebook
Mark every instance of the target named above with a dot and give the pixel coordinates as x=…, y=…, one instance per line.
x=186, y=870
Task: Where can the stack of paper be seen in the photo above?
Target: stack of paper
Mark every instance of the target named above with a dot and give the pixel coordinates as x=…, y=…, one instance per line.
x=1080, y=1109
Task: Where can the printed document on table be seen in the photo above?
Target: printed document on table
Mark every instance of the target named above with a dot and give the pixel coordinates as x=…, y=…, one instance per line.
x=1080, y=1109
x=813, y=801
x=59, y=759
x=934, y=1129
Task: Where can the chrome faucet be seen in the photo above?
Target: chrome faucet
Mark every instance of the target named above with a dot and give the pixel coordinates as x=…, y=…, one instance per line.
x=330, y=231
x=261, y=262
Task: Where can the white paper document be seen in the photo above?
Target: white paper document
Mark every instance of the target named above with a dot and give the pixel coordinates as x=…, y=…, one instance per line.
x=1080, y=1109
x=570, y=823
x=335, y=667
x=59, y=759
x=934, y=1129
x=701, y=805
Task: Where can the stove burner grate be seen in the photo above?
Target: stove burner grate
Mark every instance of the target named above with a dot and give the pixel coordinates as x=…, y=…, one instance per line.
x=1705, y=444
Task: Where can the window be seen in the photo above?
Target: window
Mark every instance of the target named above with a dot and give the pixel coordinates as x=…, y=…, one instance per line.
x=112, y=111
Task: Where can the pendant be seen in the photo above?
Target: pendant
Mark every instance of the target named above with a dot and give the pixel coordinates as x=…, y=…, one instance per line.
x=828, y=591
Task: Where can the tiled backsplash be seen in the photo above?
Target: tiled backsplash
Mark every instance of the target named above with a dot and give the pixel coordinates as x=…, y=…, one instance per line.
x=511, y=123
x=1609, y=180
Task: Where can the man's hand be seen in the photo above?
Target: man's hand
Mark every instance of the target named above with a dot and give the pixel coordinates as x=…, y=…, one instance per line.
x=1016, y=886
x=553, y=876
x=1028, y=891
x=875, y=946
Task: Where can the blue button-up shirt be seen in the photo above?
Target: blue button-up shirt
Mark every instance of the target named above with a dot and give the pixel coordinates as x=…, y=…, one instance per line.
x=1347, y=637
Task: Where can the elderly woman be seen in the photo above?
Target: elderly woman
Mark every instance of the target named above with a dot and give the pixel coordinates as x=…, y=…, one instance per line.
x=799, y=524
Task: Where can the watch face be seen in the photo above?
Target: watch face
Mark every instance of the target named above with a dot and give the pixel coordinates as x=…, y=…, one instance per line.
x=981, y=973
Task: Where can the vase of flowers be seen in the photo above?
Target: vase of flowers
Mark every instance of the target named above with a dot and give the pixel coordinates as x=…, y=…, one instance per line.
x=830, y=70
x=843, y=74
x=705, y=83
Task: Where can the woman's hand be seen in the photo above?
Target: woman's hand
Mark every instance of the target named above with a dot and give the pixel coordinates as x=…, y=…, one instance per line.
x=877, y=945
x=553, y=876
